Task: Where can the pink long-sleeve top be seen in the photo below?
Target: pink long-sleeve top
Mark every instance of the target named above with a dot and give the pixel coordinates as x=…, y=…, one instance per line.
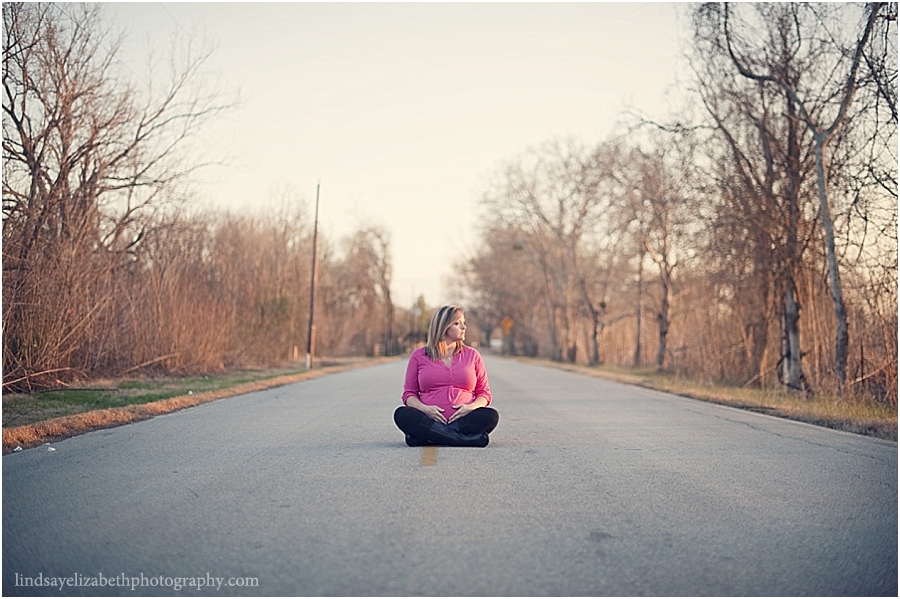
x=437, y=385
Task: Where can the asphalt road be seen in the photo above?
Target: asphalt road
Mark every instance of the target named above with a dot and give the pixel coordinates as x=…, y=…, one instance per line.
x=588, y=487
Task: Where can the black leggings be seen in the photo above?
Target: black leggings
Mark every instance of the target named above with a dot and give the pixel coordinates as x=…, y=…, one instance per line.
x=476, y=422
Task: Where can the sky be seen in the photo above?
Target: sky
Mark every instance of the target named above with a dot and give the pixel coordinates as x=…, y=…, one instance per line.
x=403, y=112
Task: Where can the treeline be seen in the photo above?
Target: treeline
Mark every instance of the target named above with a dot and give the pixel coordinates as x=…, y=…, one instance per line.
x=752, y=241
x=106, y=269
x=200, y=293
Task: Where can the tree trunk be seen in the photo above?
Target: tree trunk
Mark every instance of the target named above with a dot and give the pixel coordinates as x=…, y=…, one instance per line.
x=555, y=349
x=663, y=318
x=595, y=341
x=793, y=357
x=638, y=309
x=571, y=339
x=791, y=364
x=757, y=334
x=389, y=343
x=834, y=277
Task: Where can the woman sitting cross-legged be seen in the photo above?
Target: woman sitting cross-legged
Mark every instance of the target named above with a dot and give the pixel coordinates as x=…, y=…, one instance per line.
x=446, y=392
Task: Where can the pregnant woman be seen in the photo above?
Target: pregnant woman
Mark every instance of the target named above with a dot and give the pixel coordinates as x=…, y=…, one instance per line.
x=446, y=393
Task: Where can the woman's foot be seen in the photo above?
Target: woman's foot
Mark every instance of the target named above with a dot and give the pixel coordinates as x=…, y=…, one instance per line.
x=416, y=442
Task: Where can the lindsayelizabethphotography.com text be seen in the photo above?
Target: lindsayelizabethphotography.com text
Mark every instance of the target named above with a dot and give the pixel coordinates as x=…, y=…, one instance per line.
x=176, y=583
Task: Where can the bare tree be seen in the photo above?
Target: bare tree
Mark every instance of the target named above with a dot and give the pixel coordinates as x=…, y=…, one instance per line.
x=656, y=207
x=554, y=197
x=822, y=108
x=502, y=281
x=87, y=161
x=106, y=272
x=763, y=171
x=370, y=254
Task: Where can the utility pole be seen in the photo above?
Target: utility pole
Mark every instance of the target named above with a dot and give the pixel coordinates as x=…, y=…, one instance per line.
x=311, y=335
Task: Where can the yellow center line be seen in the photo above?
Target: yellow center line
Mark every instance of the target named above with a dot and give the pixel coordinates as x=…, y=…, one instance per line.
x=429, y=455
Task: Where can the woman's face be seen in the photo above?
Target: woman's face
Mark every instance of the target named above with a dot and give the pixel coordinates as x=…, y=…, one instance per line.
x=456, y=331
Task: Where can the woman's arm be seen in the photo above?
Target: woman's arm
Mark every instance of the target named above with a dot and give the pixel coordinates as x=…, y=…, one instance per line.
x=411, y=380
x=482, y=387
x=411, y=390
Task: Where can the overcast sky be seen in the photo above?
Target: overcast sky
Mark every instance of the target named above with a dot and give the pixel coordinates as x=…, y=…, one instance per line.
x=403, y=111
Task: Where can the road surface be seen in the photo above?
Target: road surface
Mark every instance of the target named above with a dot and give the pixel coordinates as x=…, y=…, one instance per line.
x=589, y=487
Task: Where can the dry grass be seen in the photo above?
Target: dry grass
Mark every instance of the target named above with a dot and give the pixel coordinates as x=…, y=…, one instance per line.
x=860, y=417
x=56, y=429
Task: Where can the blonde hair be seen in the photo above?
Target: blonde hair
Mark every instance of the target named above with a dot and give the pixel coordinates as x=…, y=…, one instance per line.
x=441, y=320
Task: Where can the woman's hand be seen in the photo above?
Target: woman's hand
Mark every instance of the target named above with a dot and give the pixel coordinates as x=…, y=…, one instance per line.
x=433, y=412
x=465, y=408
